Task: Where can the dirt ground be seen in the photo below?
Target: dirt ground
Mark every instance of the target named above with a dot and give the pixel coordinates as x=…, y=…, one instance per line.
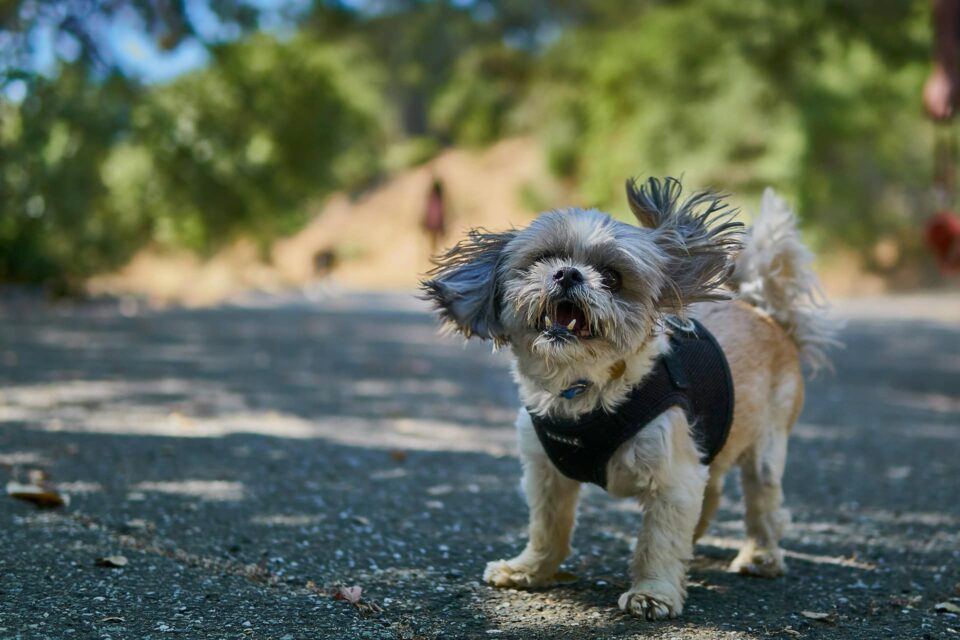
x=250, y=459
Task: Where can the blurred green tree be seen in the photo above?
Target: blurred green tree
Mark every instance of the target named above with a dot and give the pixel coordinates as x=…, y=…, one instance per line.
x=54, y=223
x=76, y=26
x=90, y=171
x=819, y=99
x=239, y=147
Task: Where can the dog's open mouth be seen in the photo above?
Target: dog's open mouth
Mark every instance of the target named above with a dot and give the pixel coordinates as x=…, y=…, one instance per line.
x=565, y=319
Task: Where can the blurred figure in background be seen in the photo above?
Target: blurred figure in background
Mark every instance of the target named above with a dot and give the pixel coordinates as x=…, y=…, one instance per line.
x=940, y=96
x=433, y=217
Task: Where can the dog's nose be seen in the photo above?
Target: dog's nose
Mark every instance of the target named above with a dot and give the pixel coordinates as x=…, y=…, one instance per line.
x=568, y=277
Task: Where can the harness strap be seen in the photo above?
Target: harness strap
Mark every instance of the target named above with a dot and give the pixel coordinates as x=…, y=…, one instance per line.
x=581, y=448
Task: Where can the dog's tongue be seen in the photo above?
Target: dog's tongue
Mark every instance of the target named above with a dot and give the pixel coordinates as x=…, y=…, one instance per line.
x=566, y=312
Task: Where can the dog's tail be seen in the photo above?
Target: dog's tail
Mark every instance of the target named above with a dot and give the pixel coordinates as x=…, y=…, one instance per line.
x=774, y=273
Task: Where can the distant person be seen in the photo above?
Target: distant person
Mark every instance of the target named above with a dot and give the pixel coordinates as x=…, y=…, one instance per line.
x=433, y=217
x=324, y=261
x=941, y=94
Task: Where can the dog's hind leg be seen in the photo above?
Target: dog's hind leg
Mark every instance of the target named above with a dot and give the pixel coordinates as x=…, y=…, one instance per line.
x=552, y=499
x=761, y=470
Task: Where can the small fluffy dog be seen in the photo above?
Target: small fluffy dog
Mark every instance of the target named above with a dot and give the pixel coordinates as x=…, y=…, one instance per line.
x=596, y=312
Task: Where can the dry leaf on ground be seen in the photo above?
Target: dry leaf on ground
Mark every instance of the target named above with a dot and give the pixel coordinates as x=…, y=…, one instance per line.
x=946, y=607
x=818, y=616
x=350, y=594
x=440, y=490
x=354, y=595
x=112, y=561
x=906, y=602
x=38, y=495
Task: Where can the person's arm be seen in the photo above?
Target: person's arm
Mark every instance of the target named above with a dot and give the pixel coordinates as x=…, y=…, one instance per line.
x=942, y=87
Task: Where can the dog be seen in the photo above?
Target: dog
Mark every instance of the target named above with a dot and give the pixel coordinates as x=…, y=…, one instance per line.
x=595, y=312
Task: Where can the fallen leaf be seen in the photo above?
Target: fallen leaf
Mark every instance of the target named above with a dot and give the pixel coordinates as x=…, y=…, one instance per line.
x=114, y=619
x=136, y=524
x=350, y=594
x=112, y=561
x=946, y=607
x=440, y=490
x=907, y=602
x=354, y=595
x=818, y=616
x=40, y=496
x=790, y=632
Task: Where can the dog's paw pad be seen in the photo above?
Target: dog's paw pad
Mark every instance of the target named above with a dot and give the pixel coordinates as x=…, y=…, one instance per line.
x=500, y=573
x=647, y=606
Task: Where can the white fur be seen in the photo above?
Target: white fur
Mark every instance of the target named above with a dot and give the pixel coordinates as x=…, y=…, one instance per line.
x=774, y=273
x=499, y=285
x=660, y=467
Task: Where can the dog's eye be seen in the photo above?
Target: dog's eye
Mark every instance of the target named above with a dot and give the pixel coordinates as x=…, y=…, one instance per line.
x=610, y=279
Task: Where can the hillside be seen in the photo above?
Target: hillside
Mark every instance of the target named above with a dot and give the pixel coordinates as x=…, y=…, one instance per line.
x=376, y=238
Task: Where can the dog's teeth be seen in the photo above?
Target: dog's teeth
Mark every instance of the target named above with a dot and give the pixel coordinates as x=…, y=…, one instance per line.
x=547, y=321
x=572, y=324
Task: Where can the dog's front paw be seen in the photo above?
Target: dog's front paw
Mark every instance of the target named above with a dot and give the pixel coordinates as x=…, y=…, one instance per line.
x=501, y=573
x=650, y=604
x=760, y=563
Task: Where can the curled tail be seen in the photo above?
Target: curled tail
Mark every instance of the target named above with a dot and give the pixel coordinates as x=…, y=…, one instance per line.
x=774, y=273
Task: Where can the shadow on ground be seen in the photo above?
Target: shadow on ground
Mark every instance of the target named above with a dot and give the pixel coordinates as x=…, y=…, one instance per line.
x=249, y=459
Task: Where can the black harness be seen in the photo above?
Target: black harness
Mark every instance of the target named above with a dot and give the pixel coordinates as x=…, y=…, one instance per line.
x=694, y=375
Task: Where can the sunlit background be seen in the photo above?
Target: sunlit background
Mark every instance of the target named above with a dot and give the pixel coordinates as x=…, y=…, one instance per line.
x=188, y=151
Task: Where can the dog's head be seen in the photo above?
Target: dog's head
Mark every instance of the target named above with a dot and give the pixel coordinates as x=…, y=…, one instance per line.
x=578, y=284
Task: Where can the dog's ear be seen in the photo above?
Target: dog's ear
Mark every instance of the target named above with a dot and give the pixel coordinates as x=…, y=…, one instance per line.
x=697, y=235
x=464, y=285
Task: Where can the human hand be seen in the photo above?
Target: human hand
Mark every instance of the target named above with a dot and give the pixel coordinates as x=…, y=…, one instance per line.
x=940, y=93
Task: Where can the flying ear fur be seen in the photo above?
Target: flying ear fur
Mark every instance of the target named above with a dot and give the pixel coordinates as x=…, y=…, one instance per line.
x=697, y=235
x=464, y=284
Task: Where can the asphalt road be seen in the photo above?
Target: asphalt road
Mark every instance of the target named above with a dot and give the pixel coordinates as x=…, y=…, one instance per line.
x=249, y=460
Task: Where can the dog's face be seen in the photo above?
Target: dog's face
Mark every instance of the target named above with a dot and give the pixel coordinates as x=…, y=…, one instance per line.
x=578, y=285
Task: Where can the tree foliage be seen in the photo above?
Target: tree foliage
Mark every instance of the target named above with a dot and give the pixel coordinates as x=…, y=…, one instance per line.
x=815, y=98
x=819, y=99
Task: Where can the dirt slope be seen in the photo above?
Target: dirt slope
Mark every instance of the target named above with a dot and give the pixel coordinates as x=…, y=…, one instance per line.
x=376, y=238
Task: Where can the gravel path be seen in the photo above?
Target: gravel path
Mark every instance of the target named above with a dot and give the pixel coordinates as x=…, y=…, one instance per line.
x=249, y=460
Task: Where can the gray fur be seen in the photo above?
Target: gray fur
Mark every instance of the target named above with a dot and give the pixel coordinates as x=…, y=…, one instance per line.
x=463, y=286
x=697, y=234
x=500, y=286
x=587, y=240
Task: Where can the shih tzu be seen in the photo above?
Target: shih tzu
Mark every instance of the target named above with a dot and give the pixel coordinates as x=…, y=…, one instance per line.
x=650, y=360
